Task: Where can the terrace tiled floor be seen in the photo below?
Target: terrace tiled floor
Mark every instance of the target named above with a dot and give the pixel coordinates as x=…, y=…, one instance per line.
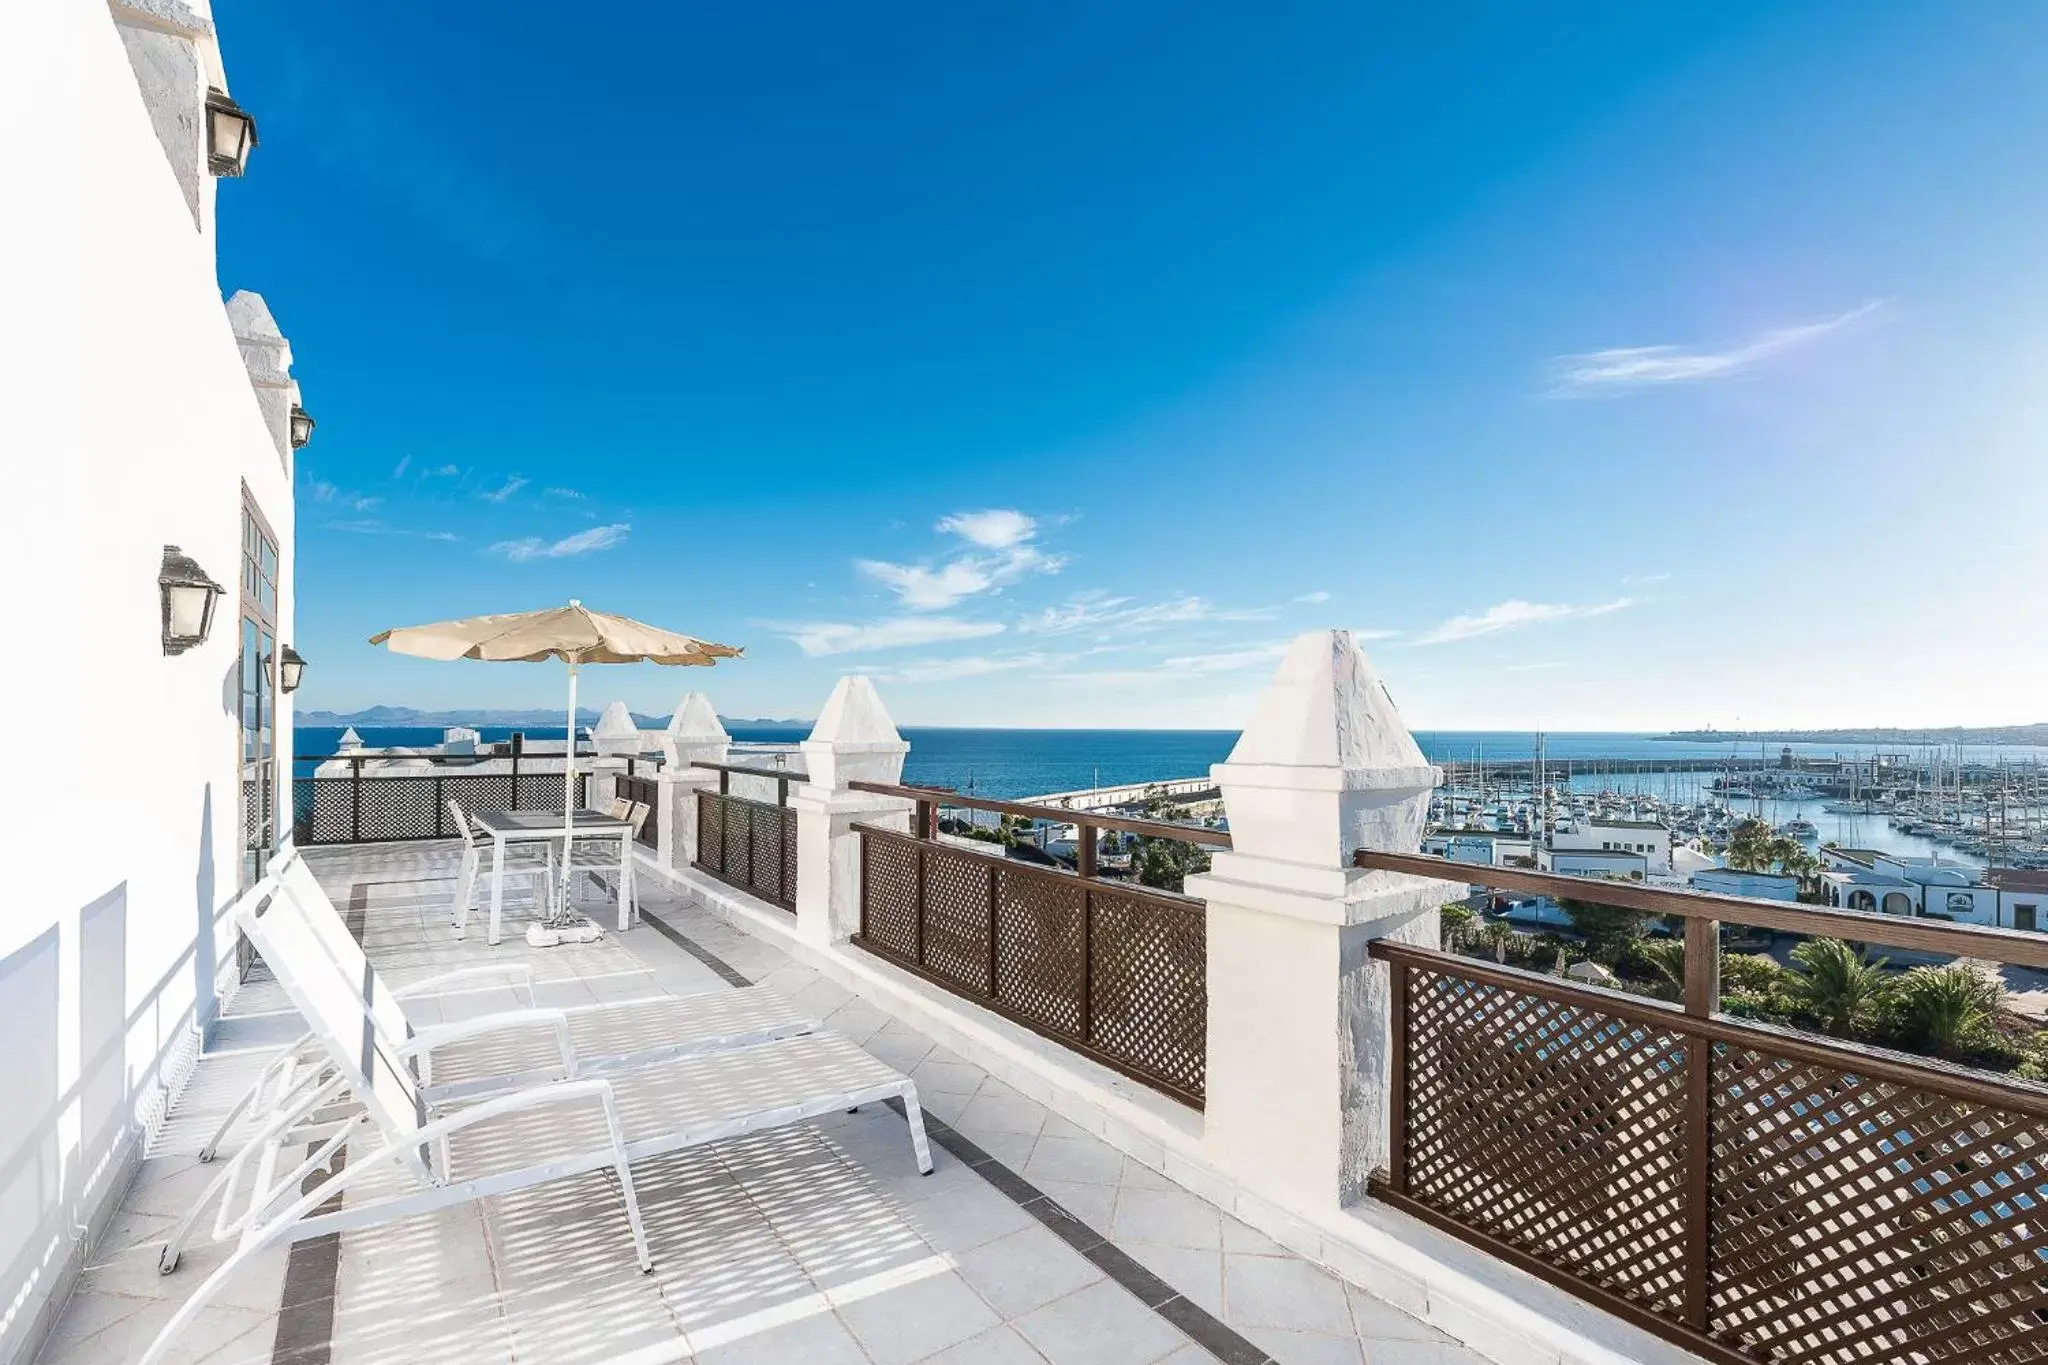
x=817, y=1244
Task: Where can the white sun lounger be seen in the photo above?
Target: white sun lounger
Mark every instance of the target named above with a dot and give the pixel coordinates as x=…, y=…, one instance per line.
x=510, y=1048
x=362, y=1093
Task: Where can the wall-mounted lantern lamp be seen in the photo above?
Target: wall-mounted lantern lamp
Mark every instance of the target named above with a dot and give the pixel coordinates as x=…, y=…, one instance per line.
x=302, y=426
x=189, y=598
x=230, y=134
x=290, y=668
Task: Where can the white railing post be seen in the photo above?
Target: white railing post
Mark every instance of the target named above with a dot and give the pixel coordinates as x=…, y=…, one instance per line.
x=1299, y=1021
x=853, y=741
x=694, y=733
x=615, y=739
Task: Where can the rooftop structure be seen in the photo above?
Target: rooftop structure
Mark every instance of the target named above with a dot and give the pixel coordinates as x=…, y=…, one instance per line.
x=1260, y=1115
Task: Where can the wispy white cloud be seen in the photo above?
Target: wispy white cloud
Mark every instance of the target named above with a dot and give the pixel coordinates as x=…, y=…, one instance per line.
x=1099, y=611
x=582, y=543
x=568, y=493
x=1536, y=668
x=818, y=638
x=1642, y=579
x=363, y=504
x=953, y=670
x=1516, y=614
x=319, y=490
x=404, y=463
x=442, y=535
x=511, y=486
x=995, y=528
x=1229, y=661
x=922, y=587
x=1638, y=367
x=1319, y=595
x=442, y=471
x=1002, y=551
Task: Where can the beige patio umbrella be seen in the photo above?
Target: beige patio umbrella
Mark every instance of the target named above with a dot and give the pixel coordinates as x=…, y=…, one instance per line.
x=574, y=634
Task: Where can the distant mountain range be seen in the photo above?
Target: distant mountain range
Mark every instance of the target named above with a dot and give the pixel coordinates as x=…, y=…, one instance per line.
x=406, y=715
x=1953, y=734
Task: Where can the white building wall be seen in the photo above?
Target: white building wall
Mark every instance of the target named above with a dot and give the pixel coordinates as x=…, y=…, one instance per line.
x=1653, y=843
x=127, y=421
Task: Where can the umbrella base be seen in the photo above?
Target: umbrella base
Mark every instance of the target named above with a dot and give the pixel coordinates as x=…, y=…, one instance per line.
x=578, y=930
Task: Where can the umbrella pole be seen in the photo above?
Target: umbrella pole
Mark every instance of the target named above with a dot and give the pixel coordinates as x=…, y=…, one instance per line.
x=561, y=915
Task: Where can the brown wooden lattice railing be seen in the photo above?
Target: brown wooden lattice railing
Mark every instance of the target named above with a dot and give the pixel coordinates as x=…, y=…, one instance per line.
x=375, y=802
x=1753, y=1193
x=1116, y=971
x=748, y=844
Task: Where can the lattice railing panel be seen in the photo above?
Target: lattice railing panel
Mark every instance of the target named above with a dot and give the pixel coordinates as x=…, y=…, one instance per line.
x=1151, y=1001
x=736, y=859
x=476, y=793
x=398, y=808
x=1831, y=1205
x=888, y=901
x=379, y=807
x=710, y=833
x=1552, y=1127
x=1038, y=949
x=748, y=844
x=1856, y=1219
x=1016, y=939
x=770, y=842
x=956, y=919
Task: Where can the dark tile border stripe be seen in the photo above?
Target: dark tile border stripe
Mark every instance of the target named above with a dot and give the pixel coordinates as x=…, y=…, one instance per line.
x=1202, y=1327
x=305, y=1318
x=727, y=973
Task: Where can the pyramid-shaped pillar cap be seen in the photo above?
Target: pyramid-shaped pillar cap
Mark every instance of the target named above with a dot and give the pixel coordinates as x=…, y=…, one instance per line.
x=615, y=732
x=696, y=721
x=1326, y=765
x=350, y=739
x=854, y=719
x=854, y=739
x=695, y=732
x=1327, y=709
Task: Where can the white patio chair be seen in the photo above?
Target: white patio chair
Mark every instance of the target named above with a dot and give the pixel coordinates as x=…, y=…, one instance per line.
x=507, y=1048
x=369, y=1093
x=601, y=856
x=533, y=860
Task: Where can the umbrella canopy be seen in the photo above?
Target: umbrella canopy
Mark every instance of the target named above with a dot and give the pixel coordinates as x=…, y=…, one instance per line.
x=574, y=634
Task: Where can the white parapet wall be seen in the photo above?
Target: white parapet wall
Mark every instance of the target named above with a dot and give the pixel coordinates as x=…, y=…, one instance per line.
x=129, y=420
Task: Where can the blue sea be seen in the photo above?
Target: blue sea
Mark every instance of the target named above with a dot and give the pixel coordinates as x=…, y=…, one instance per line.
x=1012, y=763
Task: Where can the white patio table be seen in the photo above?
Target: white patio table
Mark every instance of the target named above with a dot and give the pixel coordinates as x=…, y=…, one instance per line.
x=541, y=826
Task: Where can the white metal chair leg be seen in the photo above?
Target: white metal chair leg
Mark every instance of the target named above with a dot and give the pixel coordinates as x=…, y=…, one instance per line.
x=465, y=889
x=625, y=1170
x=282, y=1117
x=208, y=1289
x=914, y=1113
x=263, y=1078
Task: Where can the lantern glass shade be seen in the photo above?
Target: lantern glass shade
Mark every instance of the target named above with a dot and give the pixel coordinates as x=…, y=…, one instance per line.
x=302, y=426
x=290, y=668
x=189, y=597
x=230, y=134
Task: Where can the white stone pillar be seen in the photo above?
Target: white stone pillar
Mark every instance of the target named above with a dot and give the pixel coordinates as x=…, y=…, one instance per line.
x=1298, y=1014
x=601, y=786
x=694, y=733
x=853, y=741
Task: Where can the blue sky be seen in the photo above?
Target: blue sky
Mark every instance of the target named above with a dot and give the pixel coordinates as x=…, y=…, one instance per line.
x=1612, y=366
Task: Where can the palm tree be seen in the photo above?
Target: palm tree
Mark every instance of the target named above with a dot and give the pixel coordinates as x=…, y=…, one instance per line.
x=1945, y=1007
x=1837, y=983
x=1666, y=957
